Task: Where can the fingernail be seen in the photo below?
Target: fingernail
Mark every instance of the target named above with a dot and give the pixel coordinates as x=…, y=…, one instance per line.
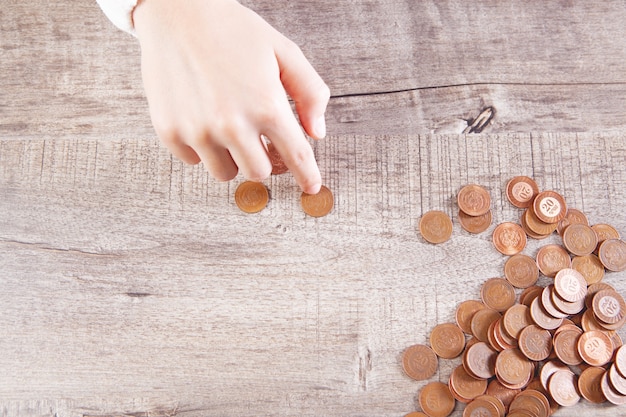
x=319, y=128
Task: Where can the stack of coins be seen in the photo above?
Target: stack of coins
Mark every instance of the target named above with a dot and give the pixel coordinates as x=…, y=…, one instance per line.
x=474, y=208
x=552, y=345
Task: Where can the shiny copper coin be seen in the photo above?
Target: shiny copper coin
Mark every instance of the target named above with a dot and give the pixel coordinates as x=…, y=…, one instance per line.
x=566, y=345
x=590, y=267
x=318, y=205
x=620, y=360
x=617, y=380
x=548, y=369
x=497, y=294
x=570, y=285
x=521, y=191
x=605, y=232
x=509, y=238
x=572, y=216
x=464, y=313
x=562, y=386
x=480, y=361
x=482, y=408
x=612, y=254
x=436, y=400
x=541, y=317
x=609, y=392
x=551, y=259
x=535, y=343
x=481, y=321
x=435, y=226
x=539, y=228
x=580, y=239
x=513, y=369
x=251, y=197
x=278, y=165
x=609, y=306
x=549, y=207
x=447, y=340
x=595, y=347
x=589, y=384
x=515, y=319
x=475, y=224
x=474, y=200
x=529, y=232
x=419, y=362
x=465, y=386
x=521, y=271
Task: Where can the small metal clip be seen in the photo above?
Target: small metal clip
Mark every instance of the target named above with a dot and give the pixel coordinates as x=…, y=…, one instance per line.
x=480, y=122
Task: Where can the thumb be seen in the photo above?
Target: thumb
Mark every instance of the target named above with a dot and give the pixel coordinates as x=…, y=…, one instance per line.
x=304, y=85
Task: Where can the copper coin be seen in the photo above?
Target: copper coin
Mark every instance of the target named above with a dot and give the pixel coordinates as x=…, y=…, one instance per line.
x=539, y=228
x=590, y=267
x=535, y=343
x=513, y=369
x=533, y=402
x=515, y=319
x=612, y=254
x=278, y=165
x=529, y=294
x=562, y=386
x=605, y=232
x=474, y=200
x=609, y=392
x=464, y=313
x=572, y=216
x=617, y=380
x=251, y=196
x=549, y=207
x=509, y=238
x=416, y=414
x=551, y=259
x=567, y=307
x=497, y=294
x=620, y=360
x=480, y=361
x=580, y=239
x=589, y=384
x=447, y=340
x=589, y=322
x=465, y=386
x=566, y=346
x=609, y=306
x=504, y=394
x=436, y=400
x=529, y=232
x=419, y=362
x=435, y=226
x=318, y=205
x=521, y=271
x=593, y=289
x=548, y=305
x=475, y=224
x=482, y=408
x=570, y=285
x=595, y=347
x=541, y=317
x=521, y=191
x=548, y=369
x=497, y=402
x=481, y=321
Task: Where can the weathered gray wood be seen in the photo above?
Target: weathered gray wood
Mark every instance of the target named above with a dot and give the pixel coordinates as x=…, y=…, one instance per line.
x=132, y=285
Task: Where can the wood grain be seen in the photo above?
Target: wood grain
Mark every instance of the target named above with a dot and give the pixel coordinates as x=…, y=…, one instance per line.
x=132, y=284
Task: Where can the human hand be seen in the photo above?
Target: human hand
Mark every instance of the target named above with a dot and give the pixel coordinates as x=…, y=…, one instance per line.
x=216, y=76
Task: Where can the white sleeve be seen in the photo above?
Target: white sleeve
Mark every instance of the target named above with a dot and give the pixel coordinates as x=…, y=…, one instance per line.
x=120, y=13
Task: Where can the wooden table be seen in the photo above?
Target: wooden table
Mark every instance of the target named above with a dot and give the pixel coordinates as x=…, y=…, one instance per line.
x=132, y=285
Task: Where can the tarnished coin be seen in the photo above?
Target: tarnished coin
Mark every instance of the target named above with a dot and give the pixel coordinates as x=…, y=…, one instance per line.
x=535, y=343
x=465, y=387
x=552, y=258
x=447, y=340
x=566, y=345
x=549, y=207
x=475, y=224
x=278, y=165
x=521, y=191
x=589, y=384
x=497, y=294
x=570, y=285
x=609, y=306
x=435, y=226
x=612, y=254
x=572, y=216
x=318, y=205
x=251, y=196
x=509, y=238
x=464, y=313
x=562, y=387
x=419, y=362
x=474, y=200
x=436, y=400
x=590, y=267
x=595, y=347
x=521, y=271
x=580, y=239
x=479, y=361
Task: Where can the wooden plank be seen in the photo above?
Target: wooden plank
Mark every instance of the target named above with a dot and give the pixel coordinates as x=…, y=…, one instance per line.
x=132, y=285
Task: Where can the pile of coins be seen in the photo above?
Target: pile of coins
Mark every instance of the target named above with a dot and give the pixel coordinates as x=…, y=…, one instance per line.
x=252, y=197
x=528, y=356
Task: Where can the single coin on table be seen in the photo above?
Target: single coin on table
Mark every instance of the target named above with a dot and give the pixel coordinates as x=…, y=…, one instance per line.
x=251, y=196
x=435, y=226
x=318, y=205
x=474, y=200
x=447, y=340
x=419, y=362
x=509, y=238
x=521, y=191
